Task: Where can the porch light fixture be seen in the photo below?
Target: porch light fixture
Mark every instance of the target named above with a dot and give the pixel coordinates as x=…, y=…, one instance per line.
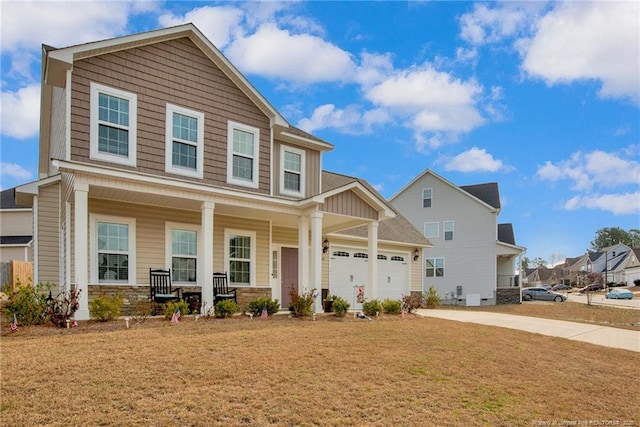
x=416, y=254
x=325, y=246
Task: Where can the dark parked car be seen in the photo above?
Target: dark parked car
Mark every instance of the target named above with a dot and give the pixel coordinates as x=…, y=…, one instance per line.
x=594, y=287
x=561, y=288
x=541, y=294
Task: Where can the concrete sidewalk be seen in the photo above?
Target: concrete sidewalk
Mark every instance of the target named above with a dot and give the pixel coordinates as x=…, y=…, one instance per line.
x=594, y=334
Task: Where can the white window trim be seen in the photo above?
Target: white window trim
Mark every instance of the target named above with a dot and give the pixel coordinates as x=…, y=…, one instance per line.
x=435, y=267
x=444, y=231
x=93, y=245
x=168, y=251
x=94, y=153
x=256, y=150
x=422, y=199
x=228, y=232
x=169, y=166
x=437, y=230
x=302, y=154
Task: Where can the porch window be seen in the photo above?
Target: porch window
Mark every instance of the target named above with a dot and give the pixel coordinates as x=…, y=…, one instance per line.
x=181, y=251
x=112, y=243
x=242, y=154
x=431, y=229
x=448, y=230
x=240, y=256
x=435, y=267
x=292, y=162
x=426, y=197
x=113, y=125
x=184, y=141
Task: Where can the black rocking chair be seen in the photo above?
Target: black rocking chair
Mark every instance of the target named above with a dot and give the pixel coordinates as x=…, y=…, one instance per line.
x=161, y=289
x=221, y=289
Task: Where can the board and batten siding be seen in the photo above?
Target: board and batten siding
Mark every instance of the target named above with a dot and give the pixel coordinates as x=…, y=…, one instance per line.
x=48, y=233
x=58, y=126
x=312, y=169
x=349, y=203
x=157, y=75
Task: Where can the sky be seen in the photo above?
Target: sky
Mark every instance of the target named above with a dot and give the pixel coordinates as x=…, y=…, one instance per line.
x=541, y=97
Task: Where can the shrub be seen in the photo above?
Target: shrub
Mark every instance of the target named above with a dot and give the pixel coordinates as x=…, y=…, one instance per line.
x=372, y=308
x=340, y=306
x=106, y=308
x=302, y=304
x=255, y=306
x=61, y=308
x=636, y=282
x=29, y=304
x=411, y=302
x=431, y=297
x=226, y=308
x=169, y=308
x=391, y=306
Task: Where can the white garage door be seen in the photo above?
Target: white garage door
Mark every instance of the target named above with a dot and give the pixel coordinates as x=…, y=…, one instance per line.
x=348, y=270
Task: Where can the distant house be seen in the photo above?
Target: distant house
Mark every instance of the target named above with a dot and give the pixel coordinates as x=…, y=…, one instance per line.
x=610, y=262
x=16, y=235
x=156, y=152
x=632, y=267
x=472, y=255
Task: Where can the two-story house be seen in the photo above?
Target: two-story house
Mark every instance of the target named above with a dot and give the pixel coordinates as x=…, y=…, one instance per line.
x=472, y=255
x=156, y=152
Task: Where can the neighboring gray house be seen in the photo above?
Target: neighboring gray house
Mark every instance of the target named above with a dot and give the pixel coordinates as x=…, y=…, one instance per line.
x=610, y=261
x=16, y=234
x=472, y=255
x=632, y=267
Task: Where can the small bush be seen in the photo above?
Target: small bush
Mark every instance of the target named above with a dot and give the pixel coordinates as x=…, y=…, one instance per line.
x=61, y=308
x=226, y=308
x=106, y=308
x=391, y=306
x=340, y=306
x=371, y=308
x=255, y=306
x=29, y=304
x=169, y=308
x=431, y=297
x=302, y=304
x=411, y=302
x=636, y=282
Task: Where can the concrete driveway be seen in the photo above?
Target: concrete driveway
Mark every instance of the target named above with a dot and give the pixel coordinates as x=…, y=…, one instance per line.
x=594, y=334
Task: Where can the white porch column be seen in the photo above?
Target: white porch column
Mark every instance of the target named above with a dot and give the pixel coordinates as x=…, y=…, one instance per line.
x=372, y=230
x=315, y=279
x=207, y=256
x=303, y=254
x=80, y=248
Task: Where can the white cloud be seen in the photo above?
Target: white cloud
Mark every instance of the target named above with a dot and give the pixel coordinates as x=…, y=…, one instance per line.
x=219, y=24
x=618, y=204
x=350, y=120
x=594, y=169
x=486, y=25
x=299, y=58
x=21, y=112
x=474, y=160
x=588, y=40
x=14, y=171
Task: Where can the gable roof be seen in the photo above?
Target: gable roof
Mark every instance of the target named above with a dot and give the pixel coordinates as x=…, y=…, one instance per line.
x=8, y=200
x=505, y=234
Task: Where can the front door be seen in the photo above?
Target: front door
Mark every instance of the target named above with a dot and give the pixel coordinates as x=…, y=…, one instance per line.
x=289, y=276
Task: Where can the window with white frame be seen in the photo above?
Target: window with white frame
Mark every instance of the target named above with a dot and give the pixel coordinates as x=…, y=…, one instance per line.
x=431, y=229
x=242, y=154
x=113, y=249
x=427, y=194
x=292, y=161
x=434, y=267
x=448, y=230
x=181, y=243
x=113, y=125
x=240, y=256
x=184, y=141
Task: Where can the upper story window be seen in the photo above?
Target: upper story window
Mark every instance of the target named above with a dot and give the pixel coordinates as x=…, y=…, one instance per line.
x=292, y=161
x=242, y=154
x=448, y=230
x=184, y=141
x=113, y=125
x=426, y=197
x=113, y=249
x=431, y=229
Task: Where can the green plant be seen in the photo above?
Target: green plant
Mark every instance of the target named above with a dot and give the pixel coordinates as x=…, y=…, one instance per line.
x=340, y=306
x=431, y=297
x=372, y=308
x=226, y=308
x=106, y=308
x=170, y=307
x=411, y=302
x=255, y=306
x=61, y=308
x=29, y=303
x=302, y=304
x=391, y=306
